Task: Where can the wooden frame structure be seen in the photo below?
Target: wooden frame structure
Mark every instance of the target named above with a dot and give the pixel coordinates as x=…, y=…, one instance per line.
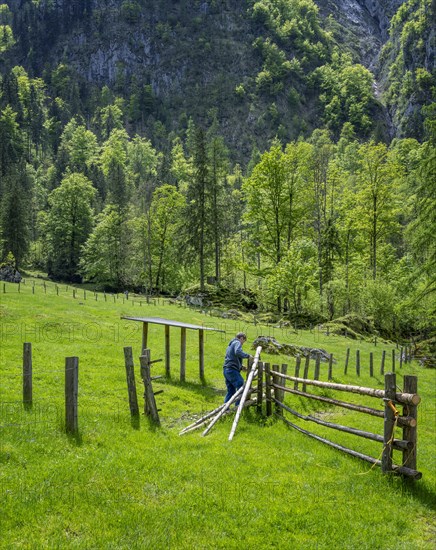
x=167, y=323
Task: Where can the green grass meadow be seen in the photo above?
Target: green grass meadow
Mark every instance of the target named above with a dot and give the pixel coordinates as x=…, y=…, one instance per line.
x=121, y=486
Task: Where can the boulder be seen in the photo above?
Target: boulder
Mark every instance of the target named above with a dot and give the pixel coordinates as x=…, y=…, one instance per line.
x=271, y=346
x=10, y=274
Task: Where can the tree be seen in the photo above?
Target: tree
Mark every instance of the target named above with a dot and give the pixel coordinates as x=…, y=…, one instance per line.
x=11, y=143
x=322, y=152
x=69, y=224
x=105, y=255
x=113, y=163
x=197, y=214
x=295, y=275
x=218, y=163
x=377, y=198
x=166, y=220
x=15, y=212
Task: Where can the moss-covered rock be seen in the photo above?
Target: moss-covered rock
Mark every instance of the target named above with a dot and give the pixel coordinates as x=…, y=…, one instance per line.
x=271, y=346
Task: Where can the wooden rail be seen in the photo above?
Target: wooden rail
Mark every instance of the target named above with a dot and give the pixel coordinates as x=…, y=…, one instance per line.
x=409, y=398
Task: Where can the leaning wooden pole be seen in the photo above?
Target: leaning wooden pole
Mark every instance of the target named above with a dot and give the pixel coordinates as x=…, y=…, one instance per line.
x=201, y=420
x=224, y=408
x=245, y=392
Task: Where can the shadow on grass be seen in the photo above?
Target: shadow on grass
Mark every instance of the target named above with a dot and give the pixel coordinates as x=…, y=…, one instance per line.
x=420, y=492
x=202, y=387
x=75, y=438
x=135, y=421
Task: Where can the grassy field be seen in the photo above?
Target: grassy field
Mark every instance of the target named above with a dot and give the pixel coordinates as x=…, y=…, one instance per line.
x=117, y=486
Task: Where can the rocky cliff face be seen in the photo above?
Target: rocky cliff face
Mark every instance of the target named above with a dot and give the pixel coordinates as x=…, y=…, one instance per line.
x=193, y=53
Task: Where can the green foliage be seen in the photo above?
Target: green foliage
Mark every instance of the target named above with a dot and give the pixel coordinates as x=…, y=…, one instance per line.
x=6, y=38
x=69, y=223
x=410, y=84
x=346, y=94
x=105, y=255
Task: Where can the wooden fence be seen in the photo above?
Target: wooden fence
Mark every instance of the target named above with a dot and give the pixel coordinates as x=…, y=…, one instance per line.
x=408, y=399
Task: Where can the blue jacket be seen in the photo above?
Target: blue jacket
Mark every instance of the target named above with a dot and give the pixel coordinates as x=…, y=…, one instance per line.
x=234, y=355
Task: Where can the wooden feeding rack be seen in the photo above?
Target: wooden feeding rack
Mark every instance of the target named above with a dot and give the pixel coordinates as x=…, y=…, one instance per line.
x=167, y=323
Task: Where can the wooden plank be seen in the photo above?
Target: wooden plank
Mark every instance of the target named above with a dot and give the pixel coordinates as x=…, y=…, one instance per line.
x=330, y=372
x=131, y=383
x=27, y=375
x=168, y=353
x=358, y=362
x=201, y=352
x=182, y=354
x=371, y=364
x=71, y=394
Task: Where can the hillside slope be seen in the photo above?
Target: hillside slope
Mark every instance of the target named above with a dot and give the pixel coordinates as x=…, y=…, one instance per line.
x=252, y=61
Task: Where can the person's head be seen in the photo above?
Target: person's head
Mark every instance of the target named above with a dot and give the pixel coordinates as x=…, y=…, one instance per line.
x=242, y=337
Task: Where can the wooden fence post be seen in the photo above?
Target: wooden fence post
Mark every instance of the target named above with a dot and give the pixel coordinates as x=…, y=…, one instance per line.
x=317, y=366
x=297, y=370
x=268, y=389
x=182, y=355
x=283, y=370
x=168, y=352
x=131, y=384
x=389, y=422
x=347, y=358
x=371, y=364
x=382, y=365
x=401, y=357
x=330, y=373
x=393, y=360
x=259, y=387
x=201, y=353
x=27, y=375
x=71, y=394
x=277, y=392
x=358, y=362
x=306, y=370
x=150, y=408
x=410, y=432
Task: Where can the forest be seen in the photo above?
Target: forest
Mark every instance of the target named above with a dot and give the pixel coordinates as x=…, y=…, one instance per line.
x=331, y=212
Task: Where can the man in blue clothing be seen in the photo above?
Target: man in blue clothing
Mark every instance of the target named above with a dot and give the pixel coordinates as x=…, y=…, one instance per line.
x=233, y=365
